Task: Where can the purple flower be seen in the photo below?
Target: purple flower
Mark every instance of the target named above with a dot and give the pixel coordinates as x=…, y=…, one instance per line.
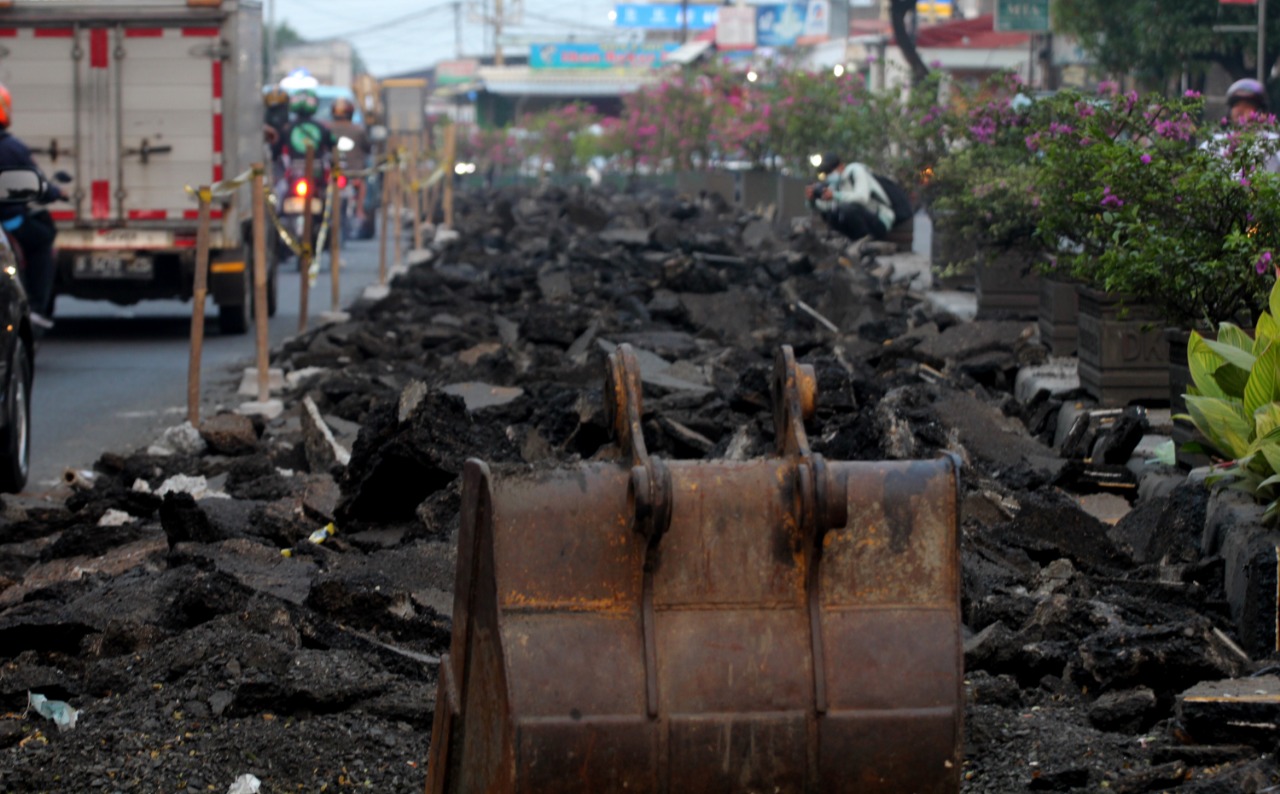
x=1110, y=199
x=1084, y=109
x=1108, y=87
x=1146, y=159
x=1191, y=94
x=1244, y=180
x=1263, y=263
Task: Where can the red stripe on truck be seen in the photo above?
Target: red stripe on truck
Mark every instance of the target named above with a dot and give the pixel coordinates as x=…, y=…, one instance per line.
x=54, y=33
x=147, y=215
x=101, y=198
x=217, y=133
x=98, y=48
x=8, y=33
x=217, y=79
x=194, y=215
x=200, y=32
x=217, y=173
x=63, y=215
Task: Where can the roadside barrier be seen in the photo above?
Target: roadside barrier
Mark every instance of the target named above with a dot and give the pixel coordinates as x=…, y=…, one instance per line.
x=400, y=171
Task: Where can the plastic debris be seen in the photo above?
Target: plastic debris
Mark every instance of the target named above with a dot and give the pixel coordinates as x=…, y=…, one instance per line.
x=62, y=714
x=323, y=534
x=245, y=784
x=1165, y=455
x=183, y=439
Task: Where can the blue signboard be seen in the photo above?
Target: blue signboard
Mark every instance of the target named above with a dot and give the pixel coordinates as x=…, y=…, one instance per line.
x=664, y=17
x=780, y=25
x=597, y=56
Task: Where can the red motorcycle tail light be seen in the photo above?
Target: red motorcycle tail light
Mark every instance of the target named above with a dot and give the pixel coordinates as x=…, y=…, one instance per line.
x=300, y=188
x=342, y=181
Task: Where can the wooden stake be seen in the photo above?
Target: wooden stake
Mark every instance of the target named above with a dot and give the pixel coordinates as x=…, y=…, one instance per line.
x=260, y=281
x=304, y=264
x=335, y=242
x=398, y=219
x=450, y=152
x=416, y=186
x=198, y=296
x=386, y=222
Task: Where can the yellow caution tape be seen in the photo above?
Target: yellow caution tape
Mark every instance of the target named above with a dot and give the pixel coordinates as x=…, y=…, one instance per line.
x=224, y=188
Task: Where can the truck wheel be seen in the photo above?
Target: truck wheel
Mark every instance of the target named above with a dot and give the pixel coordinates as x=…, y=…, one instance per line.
x=15, y=441
x=234, y=318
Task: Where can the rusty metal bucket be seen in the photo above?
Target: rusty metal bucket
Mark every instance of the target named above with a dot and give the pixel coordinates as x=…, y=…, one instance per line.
x=781, y=624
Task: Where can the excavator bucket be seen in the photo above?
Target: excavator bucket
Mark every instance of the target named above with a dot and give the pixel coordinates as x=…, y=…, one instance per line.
x=785, y=624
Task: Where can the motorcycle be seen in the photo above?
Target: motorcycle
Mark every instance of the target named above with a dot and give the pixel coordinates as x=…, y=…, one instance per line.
x=357, y=217
x=296, y=196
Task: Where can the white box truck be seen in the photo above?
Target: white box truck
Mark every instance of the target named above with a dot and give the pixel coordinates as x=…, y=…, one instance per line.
x=136, y=100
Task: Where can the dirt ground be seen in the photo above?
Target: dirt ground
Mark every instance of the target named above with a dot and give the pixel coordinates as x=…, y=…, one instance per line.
x=201, y=634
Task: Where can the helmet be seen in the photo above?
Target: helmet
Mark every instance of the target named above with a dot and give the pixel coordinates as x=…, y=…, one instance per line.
x=343, y=109
x=304, y=102
x=276, y=96
x=1247, y=90
x=6, y=107
x=829, y=162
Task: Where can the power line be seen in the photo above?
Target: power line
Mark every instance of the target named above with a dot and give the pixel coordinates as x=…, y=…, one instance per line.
x=390, y=23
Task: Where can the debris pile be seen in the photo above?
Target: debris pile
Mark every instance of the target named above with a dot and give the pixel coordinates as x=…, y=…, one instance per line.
x=270, y=599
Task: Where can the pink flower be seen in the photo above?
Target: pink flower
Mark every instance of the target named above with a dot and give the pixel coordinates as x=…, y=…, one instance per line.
x=1110, y=199
x=1191, y=94
x=1146, y=159
x=1263, y=263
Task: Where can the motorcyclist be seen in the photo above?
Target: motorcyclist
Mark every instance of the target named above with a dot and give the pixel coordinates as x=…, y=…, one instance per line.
x=304, y=131
x=276, y=119
x=353, y=150
x=856, y=202
x=33, y=229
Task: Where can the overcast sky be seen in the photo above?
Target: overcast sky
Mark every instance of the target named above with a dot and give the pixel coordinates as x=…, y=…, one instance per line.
x=395, y=36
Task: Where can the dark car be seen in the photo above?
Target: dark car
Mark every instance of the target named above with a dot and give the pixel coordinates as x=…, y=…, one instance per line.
x=17, y=348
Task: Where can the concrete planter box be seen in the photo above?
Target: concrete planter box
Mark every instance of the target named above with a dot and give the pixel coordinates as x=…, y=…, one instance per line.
x=1124, y=356
x=1251, y=553
x=722, y=183
x=1059, y=315
x=759, y=189
x=1008, y=287
x=948, y=247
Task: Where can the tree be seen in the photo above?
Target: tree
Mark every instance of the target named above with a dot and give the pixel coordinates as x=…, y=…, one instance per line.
x=898, y=12
x=1157, y=40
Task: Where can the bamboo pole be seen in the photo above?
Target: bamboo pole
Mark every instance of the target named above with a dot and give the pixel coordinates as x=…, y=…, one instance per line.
x=335, y=243
x=415, y=184
x=304, y=264
x=260, y=281
x=384, y=226
x=398, y=219
x=450, y=152
x=199, y=295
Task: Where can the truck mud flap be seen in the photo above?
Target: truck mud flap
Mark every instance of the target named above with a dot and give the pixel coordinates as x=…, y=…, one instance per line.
x=780, y=624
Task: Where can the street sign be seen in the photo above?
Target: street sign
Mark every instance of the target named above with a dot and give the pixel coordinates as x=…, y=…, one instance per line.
x=1022, y=16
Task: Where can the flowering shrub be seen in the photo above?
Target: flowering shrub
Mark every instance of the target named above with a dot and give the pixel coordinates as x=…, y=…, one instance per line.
x=499, y=148
x=558, y=136
x=1133, y=205
x=986, y=186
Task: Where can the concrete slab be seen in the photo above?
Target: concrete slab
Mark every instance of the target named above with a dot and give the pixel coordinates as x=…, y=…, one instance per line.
x=376, y=292
x=479, y=395
x=1107, y=508
x=269, y=409
x=963, y=305
x=910, y=268
x=1058, y=376
x=1236, y=710
x=446, y=236
x=249, y=381
x=419, y=256
x=331, y=318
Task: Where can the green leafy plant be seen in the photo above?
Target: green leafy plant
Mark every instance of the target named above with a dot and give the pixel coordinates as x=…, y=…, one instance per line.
x=1235, y=404
x=1140, y=198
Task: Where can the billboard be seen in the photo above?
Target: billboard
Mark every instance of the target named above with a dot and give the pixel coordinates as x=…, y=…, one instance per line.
x=664, y=16
x=1022, y=16
x=575, y=55
x=780, y=25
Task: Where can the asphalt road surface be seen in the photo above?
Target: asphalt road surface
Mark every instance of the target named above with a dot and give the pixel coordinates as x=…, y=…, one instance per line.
x=111, y=378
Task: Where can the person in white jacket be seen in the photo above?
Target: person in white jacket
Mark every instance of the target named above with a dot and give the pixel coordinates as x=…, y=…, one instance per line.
x=856, y=202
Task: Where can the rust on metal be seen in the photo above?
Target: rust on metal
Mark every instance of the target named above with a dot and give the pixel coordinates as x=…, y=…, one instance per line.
x=784, y=624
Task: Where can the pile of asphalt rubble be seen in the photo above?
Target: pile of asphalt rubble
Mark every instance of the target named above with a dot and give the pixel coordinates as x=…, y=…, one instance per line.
x=253, y=599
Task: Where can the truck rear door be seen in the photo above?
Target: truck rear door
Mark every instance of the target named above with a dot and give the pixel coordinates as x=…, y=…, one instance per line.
x=132, y=112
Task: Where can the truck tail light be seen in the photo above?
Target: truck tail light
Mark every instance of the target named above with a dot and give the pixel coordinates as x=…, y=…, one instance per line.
x=300, y=188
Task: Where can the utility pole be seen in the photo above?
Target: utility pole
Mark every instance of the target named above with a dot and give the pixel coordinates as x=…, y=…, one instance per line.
x=457, y=28
x=1264, y=68
x=497, y=33
x=684, y=21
